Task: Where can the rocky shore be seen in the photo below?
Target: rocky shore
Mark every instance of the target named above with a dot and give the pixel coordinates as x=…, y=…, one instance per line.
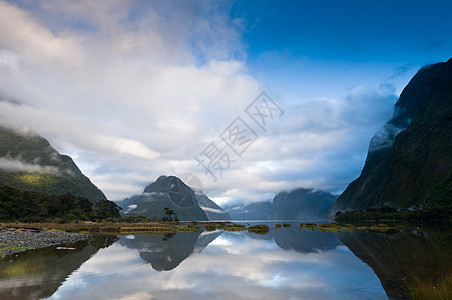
x=19, y=241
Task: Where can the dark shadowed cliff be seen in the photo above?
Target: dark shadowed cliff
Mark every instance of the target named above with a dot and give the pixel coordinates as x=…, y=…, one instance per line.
x=409, y=162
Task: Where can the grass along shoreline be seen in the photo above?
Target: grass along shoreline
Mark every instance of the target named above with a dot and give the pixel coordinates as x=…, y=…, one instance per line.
x=125, y=228
x=19, y=237
x=27, y=236
x=167, y=227
x=333, y=227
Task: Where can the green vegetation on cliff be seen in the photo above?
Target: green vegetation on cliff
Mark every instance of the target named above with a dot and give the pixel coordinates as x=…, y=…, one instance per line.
x=437, y=206
x=29, y=162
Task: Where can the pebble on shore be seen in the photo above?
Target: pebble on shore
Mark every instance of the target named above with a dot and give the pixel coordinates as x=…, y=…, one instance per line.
x=28, y=240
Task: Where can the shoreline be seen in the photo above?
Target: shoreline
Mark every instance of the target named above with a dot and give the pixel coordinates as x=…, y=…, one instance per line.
x=23, y=240
x=20, y=237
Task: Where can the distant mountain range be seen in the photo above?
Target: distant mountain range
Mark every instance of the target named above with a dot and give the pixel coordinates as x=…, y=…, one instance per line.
x=298, y=204
x=409, y=163
x=253, y=211
x=29, y=162
x=171, y=192
x=302, y=204
x=193, y=204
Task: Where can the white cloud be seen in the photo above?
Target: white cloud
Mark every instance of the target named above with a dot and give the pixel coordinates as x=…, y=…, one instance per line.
x=122, y=94
x=213, y=210
x=18, y=165
x=133, y=90
x=22, y=33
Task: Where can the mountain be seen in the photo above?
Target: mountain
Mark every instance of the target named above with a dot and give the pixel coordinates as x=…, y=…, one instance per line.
x=409, y=162
x=166, y=191
x=29, y=162
x=212, y=210
x=292, y=205
x=302, y=204
x=253, y=211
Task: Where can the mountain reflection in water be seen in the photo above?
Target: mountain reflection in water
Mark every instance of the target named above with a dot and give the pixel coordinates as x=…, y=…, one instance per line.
x=405, y=260
x=305, y=241
x=37, y=274
x=282, y=264
x=167, y=252
x=224, y=265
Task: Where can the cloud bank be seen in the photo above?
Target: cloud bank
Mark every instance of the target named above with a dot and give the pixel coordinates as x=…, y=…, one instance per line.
x=136, y=89
x=11, y=164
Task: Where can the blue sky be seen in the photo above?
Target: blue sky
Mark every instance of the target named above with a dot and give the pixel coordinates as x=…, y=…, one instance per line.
x=352, y=31
x=343, y=43
x=136, y=89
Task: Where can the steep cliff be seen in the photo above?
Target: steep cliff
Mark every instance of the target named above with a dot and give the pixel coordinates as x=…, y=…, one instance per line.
x=409, y=162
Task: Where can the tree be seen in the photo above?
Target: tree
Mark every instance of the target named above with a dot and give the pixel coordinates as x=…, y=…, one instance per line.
x=169, y=215
x=106, y=209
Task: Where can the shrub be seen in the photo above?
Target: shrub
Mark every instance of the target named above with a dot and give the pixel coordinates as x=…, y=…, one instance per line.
x=210, y=227
x=259, y=228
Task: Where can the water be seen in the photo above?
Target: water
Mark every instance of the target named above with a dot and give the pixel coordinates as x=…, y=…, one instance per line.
x=288, y=263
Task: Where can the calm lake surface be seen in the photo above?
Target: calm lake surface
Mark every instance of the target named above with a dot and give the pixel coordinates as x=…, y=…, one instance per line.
x=287, y=263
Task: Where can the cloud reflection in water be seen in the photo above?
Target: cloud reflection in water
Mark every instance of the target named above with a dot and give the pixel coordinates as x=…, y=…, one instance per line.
x=232, y=266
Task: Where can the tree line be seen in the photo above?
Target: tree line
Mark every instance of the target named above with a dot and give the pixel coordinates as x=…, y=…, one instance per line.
x=28, y=206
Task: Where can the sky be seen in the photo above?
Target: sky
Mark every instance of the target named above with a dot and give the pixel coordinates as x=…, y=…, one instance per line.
x=132, y=90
